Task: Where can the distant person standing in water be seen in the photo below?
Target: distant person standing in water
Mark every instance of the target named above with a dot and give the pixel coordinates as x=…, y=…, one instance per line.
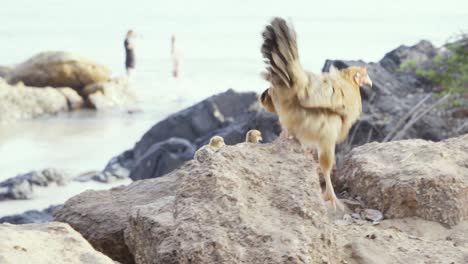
x=129, y=45
x=176, y=56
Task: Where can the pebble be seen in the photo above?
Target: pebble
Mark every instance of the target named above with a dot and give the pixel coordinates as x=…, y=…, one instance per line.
x=372, y=215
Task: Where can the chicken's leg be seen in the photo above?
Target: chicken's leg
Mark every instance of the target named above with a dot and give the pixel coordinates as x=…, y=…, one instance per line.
x=327, y=159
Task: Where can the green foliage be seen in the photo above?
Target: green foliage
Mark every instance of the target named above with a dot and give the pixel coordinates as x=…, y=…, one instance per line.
x=449, y=71
x=408, y=66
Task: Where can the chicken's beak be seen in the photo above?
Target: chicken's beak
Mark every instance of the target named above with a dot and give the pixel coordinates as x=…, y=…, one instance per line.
x=260, y=139
x=368, y=81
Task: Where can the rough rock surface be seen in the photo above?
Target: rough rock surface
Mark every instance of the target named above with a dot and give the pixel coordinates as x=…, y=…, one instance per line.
x=46, y=243
x=387, y=243
x=410, y=178
x=58, y=69
x=247, y=204
x=102, y=216
x=22, y=102
x=173, y=141
x=21, y=186
x=31, y=216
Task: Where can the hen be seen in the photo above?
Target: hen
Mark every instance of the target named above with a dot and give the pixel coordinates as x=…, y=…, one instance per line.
x=317, y=109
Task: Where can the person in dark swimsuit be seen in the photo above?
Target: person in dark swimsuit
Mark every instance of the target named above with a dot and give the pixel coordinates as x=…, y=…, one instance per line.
x=129, y=52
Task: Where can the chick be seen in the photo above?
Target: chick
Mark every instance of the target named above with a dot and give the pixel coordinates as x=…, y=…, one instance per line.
x=215, y=144
x=316, y=109
x=253, y=136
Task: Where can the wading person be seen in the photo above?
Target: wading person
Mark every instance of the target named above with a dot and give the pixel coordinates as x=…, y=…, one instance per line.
x=129, y=45
x=175, y=54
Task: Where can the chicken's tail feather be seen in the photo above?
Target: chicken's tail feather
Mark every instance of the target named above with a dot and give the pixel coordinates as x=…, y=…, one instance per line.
x=281, y=56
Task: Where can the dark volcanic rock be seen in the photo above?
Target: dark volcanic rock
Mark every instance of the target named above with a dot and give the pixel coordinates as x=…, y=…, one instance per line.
x=173, y=141
x=418, y=54
x=162, y=157
x=199, y=120
x=120, y=165
x=100, y=176
x=31, y=216
x=21, y=186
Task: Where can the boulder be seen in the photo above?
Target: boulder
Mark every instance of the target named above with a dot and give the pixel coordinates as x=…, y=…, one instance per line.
x=410, y=178
x=31, y=216
x=21, y=186
x=22, y=102
x=248, y=203
x=102, y=216
x=46, y=243
x=174, y=140
x=59, y=69
x=109, y=95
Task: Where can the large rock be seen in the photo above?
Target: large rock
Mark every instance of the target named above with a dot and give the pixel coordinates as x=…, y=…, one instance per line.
x=31, y=216
x=246, y=204
x=59, y=69
x=22, y=102
x=410, y=178
x=171, y=142
x=46, y=243
x=102, y=216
